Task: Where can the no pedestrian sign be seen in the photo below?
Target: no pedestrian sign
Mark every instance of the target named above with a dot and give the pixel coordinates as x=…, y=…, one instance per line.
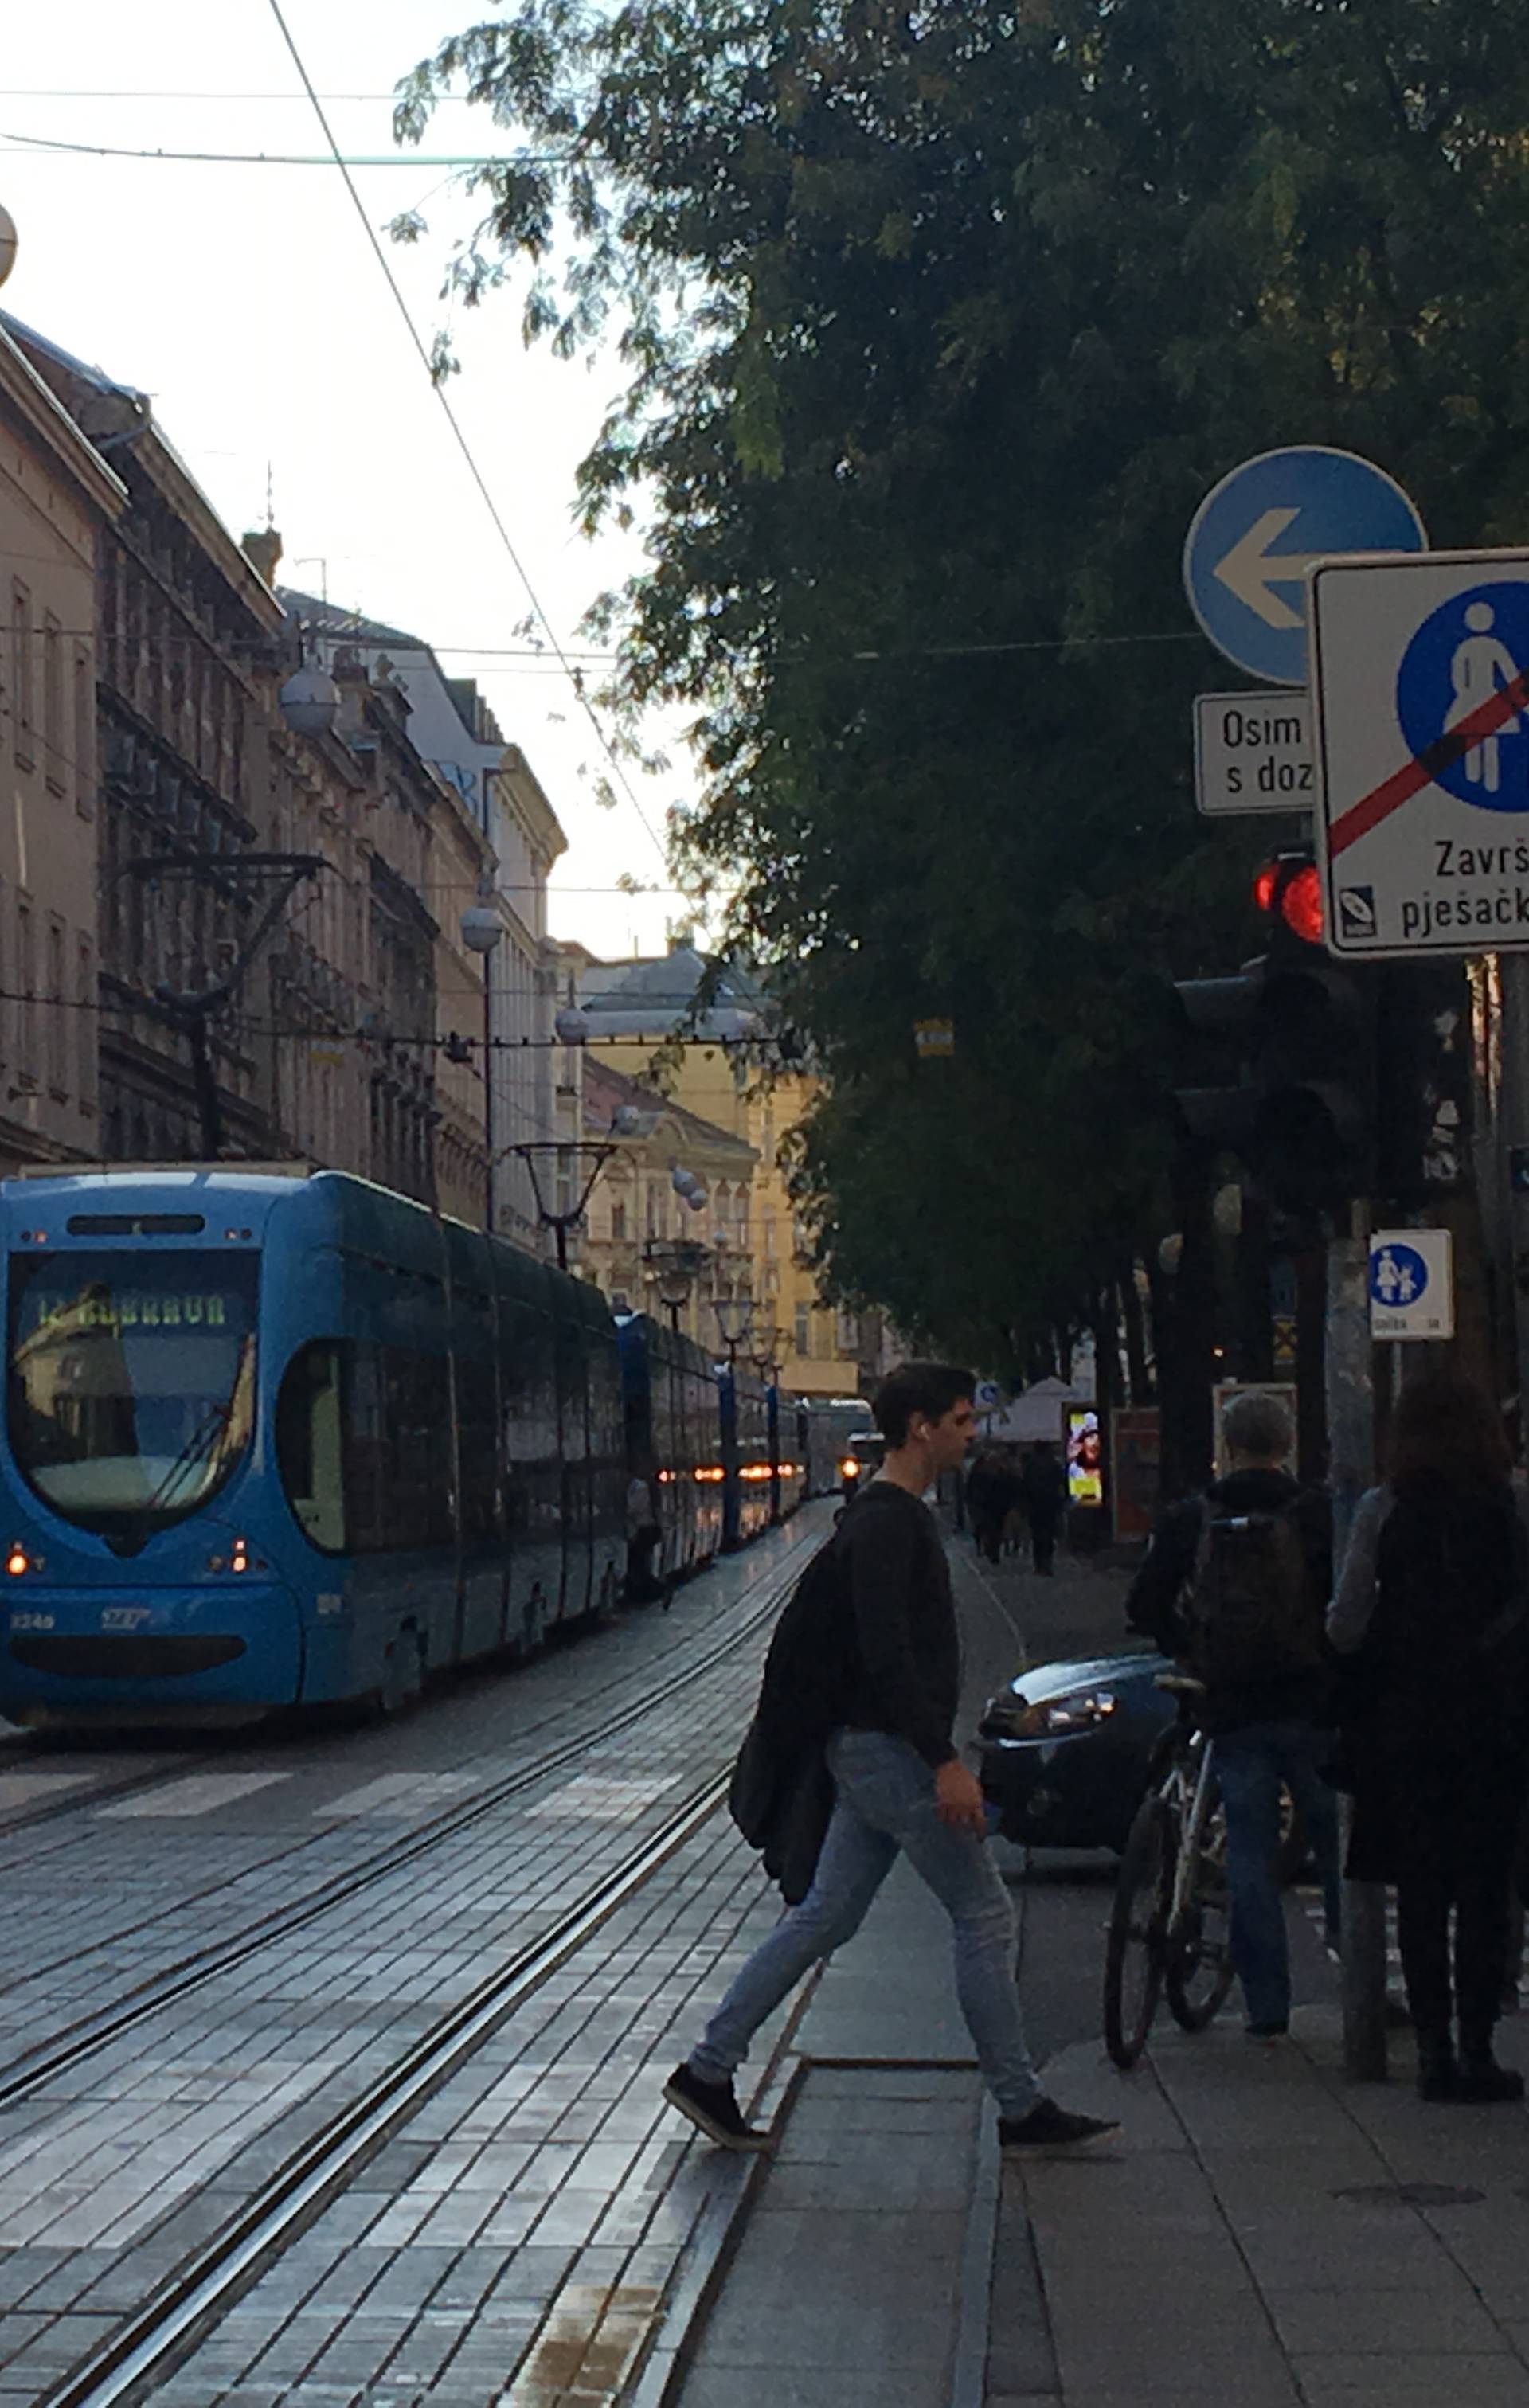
x=1421, y=738
x=1411, y=1283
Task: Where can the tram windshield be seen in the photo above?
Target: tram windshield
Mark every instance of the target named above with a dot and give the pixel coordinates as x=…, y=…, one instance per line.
x=131, y=1382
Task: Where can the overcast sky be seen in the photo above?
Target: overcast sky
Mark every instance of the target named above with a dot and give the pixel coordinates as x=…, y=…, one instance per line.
x=246, y=301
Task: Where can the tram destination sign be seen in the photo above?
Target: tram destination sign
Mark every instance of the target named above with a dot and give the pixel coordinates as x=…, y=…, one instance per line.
x=1253, y=753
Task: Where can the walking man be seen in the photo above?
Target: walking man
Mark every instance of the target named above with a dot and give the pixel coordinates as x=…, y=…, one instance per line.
x=899, y=1784
x=1044, y=1487
x=1235, y=1584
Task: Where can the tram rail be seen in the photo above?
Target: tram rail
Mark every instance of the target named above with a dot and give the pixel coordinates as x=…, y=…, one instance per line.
x=31, y=2071
x=190, y=2302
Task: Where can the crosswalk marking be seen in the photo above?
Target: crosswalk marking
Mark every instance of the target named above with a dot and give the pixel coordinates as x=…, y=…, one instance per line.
x=401, y=1793
x=199, y=1793
x=32, y=1788
x=596, y=1798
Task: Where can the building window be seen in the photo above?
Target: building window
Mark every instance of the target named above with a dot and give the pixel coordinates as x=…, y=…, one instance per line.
x=26, y=979
x=52, y=703
x=768, y=1229
x=801, y=1334
x=21, y=648
x=84, y=736
x=85, y=1030
x=56, y=1008
x=618, y=1223
x=847, y=1332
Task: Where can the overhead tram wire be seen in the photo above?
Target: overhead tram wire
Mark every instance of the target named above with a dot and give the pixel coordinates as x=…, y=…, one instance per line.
x=30, y=145
x=575, y=676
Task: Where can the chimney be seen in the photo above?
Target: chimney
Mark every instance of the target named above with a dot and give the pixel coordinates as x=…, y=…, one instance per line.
x=262, y=551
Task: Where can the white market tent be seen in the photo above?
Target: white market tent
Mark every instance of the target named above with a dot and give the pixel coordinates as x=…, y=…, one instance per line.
x=1037, y=1412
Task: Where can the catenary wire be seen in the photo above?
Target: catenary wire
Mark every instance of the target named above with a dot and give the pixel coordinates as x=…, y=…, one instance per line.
x=31, y=145
x=575, y=675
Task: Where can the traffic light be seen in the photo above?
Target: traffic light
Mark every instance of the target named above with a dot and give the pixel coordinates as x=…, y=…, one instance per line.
x=1301, y=1110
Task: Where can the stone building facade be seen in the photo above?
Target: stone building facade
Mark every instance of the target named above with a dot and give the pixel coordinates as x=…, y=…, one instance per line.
x=59, y=499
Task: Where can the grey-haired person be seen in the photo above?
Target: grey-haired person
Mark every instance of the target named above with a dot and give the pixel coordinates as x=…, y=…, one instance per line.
x=1267, y=1710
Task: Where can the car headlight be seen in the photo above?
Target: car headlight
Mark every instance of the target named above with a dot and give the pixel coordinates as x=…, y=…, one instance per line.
x=1080, y=1710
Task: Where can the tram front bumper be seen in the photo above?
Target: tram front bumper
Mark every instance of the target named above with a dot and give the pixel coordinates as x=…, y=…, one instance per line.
x=204, y=1655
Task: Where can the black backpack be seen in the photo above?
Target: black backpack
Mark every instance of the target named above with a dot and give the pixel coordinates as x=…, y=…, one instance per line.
x=813, y=1662
x=1248, y=1610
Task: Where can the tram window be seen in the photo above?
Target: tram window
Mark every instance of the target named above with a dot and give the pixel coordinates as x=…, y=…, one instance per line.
x=397, y=1449
x=308, y=1444
x=417, y=1504
x=478, y=1411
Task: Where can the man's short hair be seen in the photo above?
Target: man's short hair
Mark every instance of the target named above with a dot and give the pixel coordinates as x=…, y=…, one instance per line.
x=1257, y=1425
x=928, y=1388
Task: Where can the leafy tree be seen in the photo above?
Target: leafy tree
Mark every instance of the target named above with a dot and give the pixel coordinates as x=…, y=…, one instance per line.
x=937, y=322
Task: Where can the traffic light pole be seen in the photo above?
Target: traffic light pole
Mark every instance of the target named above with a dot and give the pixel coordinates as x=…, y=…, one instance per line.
x=1350, y=1431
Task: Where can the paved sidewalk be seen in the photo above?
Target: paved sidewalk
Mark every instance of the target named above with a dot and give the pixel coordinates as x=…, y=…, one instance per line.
x=1268, y=2234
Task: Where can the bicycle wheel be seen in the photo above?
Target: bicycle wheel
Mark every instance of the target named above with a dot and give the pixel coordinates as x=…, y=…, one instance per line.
x=1137, y=1928
x=1197, y=1968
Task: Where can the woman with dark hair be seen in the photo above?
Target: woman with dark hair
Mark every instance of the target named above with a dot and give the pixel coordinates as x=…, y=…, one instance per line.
x=1433, y=1608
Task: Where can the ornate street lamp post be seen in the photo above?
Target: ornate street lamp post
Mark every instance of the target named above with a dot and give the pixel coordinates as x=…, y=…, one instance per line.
x=675, y=1263
x=545, y=1157
x=734, y=1315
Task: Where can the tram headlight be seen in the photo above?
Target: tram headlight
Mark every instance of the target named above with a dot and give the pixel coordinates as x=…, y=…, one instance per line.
x=17, y=1560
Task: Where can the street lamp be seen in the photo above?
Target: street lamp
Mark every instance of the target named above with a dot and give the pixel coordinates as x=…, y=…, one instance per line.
x=675, y=1263
x=734, y=1315
x=764, y=1343
x=482, y=930
x=566, y=1155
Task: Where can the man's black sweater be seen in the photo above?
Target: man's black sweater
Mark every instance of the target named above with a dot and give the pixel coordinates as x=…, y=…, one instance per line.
x=907, y=1676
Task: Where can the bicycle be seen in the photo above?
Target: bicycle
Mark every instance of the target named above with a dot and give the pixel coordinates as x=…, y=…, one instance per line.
x=1169, y=1926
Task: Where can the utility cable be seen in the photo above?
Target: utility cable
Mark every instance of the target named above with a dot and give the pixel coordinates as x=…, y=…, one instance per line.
x=29, y=144
x=575, y=675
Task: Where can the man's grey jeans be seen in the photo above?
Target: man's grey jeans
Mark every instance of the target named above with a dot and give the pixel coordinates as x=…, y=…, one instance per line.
x=886, y=1803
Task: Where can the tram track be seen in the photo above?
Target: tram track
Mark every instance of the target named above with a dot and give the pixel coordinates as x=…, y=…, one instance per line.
x=60, y=2054
x=192, y=2299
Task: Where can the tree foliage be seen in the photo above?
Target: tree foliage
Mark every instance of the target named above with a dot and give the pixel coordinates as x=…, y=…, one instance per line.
x=937, y=322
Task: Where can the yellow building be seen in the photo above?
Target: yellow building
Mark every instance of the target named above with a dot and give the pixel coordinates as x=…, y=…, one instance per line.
x=634, y=1009
x=640, y=1230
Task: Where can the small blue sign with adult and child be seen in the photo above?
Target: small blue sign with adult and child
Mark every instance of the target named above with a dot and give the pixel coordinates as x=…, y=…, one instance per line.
x=1411, y=1285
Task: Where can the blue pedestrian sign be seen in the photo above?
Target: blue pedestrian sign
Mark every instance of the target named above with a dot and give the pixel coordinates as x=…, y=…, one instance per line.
x=1469, y=650
x=1255, y=534
x=1411, y=1287
x=1421, y=736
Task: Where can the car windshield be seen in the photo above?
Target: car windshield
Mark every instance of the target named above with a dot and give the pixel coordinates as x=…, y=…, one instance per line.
x=130, y=1389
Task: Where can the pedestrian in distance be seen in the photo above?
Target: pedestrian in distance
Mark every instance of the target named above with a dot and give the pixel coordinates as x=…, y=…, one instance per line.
x=992, y=1489
x=884, y=1635
x=1044, y=1491
x=1433, y=1613
x=1235, y=1586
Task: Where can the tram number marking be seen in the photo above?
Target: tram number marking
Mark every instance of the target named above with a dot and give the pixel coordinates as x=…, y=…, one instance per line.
x=125, y=1617
x=32, y=1621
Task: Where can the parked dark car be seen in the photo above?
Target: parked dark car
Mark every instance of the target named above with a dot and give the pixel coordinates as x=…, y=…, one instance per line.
x=1068, y=1748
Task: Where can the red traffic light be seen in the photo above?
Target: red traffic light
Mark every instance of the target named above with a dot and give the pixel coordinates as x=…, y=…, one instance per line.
x=1289, y=884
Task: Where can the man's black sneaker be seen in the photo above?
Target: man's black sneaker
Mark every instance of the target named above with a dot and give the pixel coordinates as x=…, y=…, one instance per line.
x=1050, y=2127
x=712, y=2107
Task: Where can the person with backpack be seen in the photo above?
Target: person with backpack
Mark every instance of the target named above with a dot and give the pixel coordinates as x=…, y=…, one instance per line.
x=1235, y=1585
x=869, y=1647
x=1433, y=1614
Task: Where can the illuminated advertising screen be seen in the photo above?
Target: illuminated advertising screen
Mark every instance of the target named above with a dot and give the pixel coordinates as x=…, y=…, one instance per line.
x=1085, y=1458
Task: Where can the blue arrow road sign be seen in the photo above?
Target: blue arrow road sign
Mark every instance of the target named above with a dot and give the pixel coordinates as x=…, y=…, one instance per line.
x=1255, y=533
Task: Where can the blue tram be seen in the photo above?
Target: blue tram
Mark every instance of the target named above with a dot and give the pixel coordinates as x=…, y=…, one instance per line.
x=279, y=1441
x=674, y=1439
